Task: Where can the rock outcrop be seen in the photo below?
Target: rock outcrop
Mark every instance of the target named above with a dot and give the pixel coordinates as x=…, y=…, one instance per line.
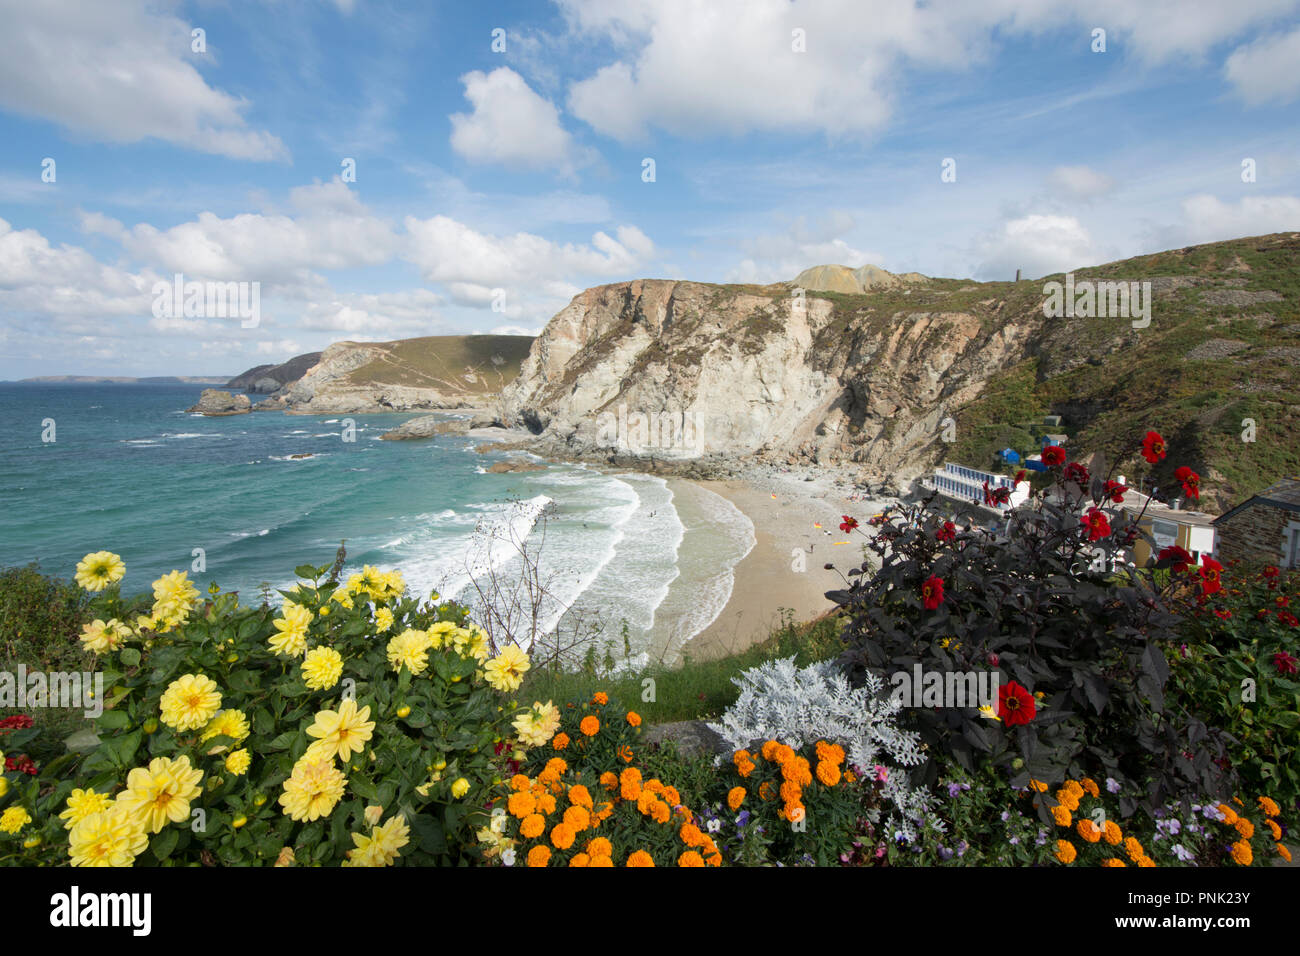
x=265, y=379
x=214, y=402
x=426, y=426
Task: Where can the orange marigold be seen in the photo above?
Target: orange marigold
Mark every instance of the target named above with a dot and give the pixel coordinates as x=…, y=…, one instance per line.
x=691, y=834
x=633, y=718
x=1088, y=830
x=560, y=741
x=1112, y=833
x=590, y=725
x=832, y=753
x=532, y=826
x=640, y=858
x=715, y=858
x=577, y=818
x=1062, y=816
x=609, y=780
x=654, y=785
x=603, y=811
x=520, y=782
x=1270, y=808
x=1284, y=852
x=739, y=757
x=769, y=749
x=1038, y=785
x=690, y=858
x=672, y=797
x=580, y=859
x=521, y=804
x=1274, y=829
x=1245, y=827
x=1073, y=787
x=600, y=861
x=745, y=767
x=600, y=698
x=1091, y=787
x=546, y=804
x=580, y=796
x=1229, y=814
x=735, y=797
x=1067, y=799
x=625, y=753
x=562, y=836
x=1134, y=848
x=539, y=856
x=765, y=791
x=1241, y=853
x=1065, y=851
x=794, y=812
x=782, y=754
x=1114, y=861
x=1145, y=861
x=660, y=812
x=791, y=792
x=599, y=846
x=828, y=773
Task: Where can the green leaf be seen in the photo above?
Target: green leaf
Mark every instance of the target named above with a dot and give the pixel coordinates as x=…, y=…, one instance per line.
x=130, y=656
x=165, y=842
x=113, y=720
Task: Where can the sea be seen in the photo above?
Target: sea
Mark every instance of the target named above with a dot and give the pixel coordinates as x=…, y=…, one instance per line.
x=639, y=563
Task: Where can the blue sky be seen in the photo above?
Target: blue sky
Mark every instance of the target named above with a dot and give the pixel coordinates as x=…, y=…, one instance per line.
x=493, y=185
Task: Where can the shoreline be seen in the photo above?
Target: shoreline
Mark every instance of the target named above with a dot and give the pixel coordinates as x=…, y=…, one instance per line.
x=785, y=568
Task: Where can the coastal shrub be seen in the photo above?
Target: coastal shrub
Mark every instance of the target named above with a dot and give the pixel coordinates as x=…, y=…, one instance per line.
x=353, y=725
x=1078, y=650
x=798, y=706
x=1238, y=665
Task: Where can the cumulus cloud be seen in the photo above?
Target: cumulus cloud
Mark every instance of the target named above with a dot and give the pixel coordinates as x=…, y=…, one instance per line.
x=1209, y=219
x=731, y=67
x=1038, y=245
x=512, y=125
x=778, y=257
x=1265, y=70
x=119, y=71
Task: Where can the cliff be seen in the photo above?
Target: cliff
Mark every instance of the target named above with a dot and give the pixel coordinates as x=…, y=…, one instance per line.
x=868, y=378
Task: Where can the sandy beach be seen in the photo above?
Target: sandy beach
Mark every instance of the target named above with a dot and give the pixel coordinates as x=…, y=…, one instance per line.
x=786, y=568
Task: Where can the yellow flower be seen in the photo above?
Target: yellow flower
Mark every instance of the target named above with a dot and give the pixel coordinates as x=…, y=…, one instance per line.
x=538, y=724
x=14, y=819
x=102, y=637
x=322, y=668
x=109, y=837
x=373, y=814
x=228, y=723
x=291, y=641
x=505, y=672
x=312, y=790
x=81, y=804
x=239, y=762
x=460, y=788
x=344, y=731
x=410, y=649
x=190, y=701
x=988, y=713
x=382, y=846
x=383, y=620
x=99, y=569
x=343, y=597
x=174, y=595
x=161, y=793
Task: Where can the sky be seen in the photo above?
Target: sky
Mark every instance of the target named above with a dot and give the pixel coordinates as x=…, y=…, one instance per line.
x=380, y=170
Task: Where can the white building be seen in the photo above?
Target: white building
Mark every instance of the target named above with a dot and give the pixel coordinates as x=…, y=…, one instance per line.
x=967, y=484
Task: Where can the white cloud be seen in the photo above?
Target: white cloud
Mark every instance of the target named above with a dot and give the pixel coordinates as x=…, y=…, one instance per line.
x=1209, y=219
x=779, y=257
x=449, y=251
x=119, y=71
x=1081, y=182
x=512, y=125
x=516, y=330
x=1265, y=70
x=729, y=66
x=1038, y=245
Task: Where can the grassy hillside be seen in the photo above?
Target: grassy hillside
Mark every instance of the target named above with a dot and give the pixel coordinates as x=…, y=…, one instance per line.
x=466, y=363
x=1223, y=346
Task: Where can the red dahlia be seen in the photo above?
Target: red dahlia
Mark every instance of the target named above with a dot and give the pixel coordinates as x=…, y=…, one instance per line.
x=947, y=532
x=1015, y=705
x=1096, y=524
x=1210, y=583
x=848, y=524
x=1075, y=472
x=1191, y=481
x=1182, y=561
x=1153, y=447
x=1285, y=663
x=1114, y=491
x=1053, y=455
x=932, y=592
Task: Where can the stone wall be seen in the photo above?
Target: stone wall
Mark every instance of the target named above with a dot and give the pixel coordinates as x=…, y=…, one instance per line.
x=1254, y=534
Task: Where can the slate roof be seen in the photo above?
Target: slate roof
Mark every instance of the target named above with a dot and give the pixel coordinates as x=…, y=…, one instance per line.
x=1285, y=494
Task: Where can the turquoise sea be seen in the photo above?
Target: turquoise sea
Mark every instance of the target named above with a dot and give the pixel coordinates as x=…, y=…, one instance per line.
x=131, y=471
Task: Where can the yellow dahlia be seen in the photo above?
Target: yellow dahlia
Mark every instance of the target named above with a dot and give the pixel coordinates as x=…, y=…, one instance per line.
x=312, y=790
x=538, y=724
x=104, y=636
x=291, y=637
x=81, y=804
x=322, y=668
x=99, y=569
x=174, y=595
x=342, y=732
x=410, y=649
x=505, y=672
x=228, y=723
x=190, y=701
x=108, y=837
x=160, y=793
x=239, y=762
x=14, y=819
x=383, y=620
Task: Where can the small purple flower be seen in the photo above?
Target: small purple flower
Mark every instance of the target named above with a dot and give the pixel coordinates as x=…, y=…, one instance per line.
x=1014, y=841
x=945, y=853
x=1006, y=815
x=954, y=789
x=743, y=819
x=962, y=847
x=1112, y=785
x=1042, y=838
x=1175, y=827
x=1182, y=852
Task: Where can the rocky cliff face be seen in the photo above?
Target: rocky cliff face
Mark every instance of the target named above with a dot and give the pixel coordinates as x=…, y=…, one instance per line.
x=683, y=372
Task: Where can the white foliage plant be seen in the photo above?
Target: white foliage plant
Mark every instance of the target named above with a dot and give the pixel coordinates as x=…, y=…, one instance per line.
x=801, y=705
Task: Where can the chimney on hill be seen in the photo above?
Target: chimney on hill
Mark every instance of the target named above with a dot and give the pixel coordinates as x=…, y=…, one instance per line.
x=1017, y=275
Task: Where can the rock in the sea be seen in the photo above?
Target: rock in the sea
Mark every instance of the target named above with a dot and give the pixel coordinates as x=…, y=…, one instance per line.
x=426, y=426
x=215, y=402
x=502, y=467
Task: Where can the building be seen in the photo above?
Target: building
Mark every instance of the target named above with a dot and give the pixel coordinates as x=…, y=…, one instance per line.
x=967, y=484
x=1193, y=531
x=1264, y=528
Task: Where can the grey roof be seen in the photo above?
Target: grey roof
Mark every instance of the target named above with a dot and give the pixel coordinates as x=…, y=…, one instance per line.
x=1285, y=494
